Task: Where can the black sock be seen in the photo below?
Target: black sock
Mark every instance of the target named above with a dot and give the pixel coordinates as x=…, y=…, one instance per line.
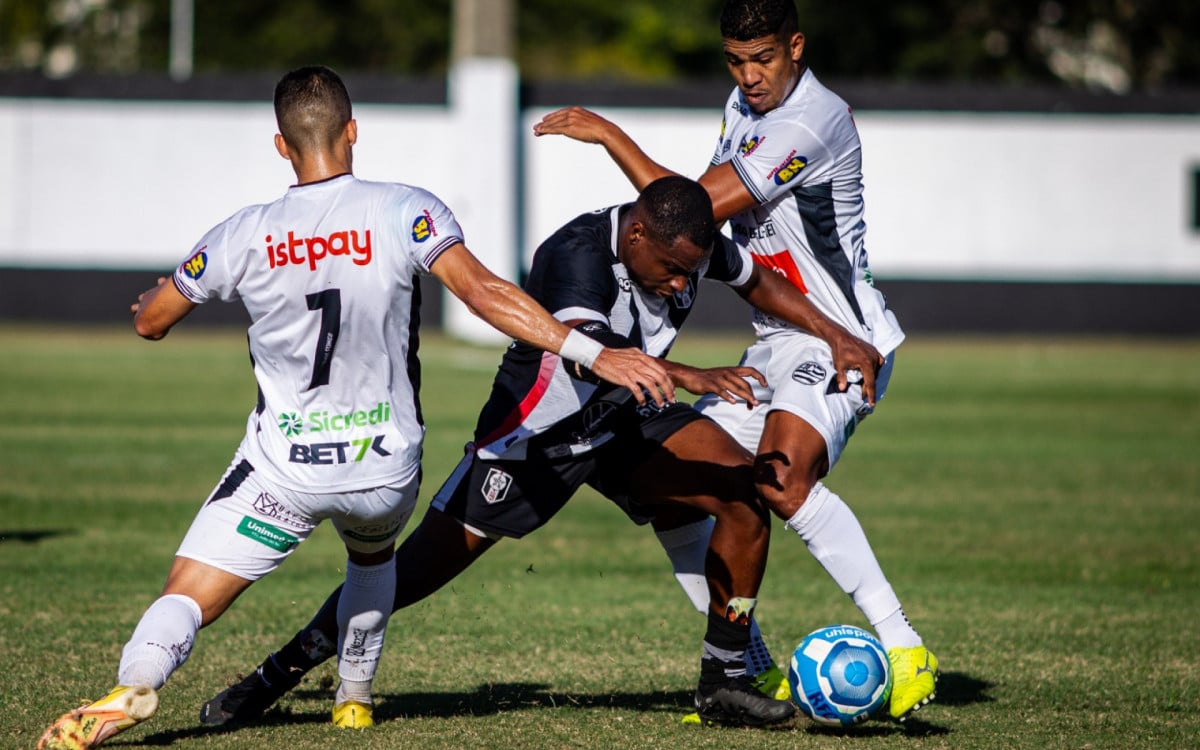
x=307, y=649
x=724, y=650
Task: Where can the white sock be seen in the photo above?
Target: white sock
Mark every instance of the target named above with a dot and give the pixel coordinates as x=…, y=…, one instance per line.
x=687, y=547
x=161, y=642
x=836, y=539
x=362, y=613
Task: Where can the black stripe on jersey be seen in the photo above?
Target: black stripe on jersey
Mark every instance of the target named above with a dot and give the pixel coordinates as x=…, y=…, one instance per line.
x=748, y=181
x=815, y=204
x=413, y=366
x=261, y=406
x=233, y=479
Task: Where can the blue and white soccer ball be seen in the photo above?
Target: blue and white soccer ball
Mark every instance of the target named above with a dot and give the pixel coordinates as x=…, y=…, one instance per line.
x=839, y=675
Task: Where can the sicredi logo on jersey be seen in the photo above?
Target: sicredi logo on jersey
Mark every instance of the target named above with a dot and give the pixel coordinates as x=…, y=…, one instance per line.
x=312, y=250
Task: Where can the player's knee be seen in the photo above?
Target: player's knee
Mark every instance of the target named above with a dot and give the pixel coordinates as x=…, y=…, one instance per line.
x=781, y=483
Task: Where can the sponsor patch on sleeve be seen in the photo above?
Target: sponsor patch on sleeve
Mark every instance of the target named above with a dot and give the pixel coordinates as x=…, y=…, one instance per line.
x=194, y=266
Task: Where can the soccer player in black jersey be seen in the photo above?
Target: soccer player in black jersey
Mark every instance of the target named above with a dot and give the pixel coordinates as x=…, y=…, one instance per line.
x=625, y=276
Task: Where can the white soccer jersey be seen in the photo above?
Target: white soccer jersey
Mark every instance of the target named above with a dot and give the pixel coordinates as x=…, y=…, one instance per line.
x=328, y=274
x=802, y=163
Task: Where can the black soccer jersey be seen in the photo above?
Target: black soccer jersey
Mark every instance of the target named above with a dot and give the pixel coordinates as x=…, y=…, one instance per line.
x=576, y=275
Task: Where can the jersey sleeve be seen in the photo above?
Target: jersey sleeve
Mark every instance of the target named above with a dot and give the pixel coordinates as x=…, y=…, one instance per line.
x=723, y=143
x=431, y=226
x=214, y=266
x=780, y=156
x=573, y=278
x=730, y=263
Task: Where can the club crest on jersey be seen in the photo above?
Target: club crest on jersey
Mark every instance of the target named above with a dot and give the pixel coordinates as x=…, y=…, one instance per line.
x=194, y=266
x=423, y=227
x=748, y=147
x=495, y=485
x=809, y=373
x=685, y=298
x=791, y=166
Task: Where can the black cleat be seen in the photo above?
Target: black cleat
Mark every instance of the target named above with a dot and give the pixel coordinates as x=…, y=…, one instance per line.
x=245, y=700
x=738, y=703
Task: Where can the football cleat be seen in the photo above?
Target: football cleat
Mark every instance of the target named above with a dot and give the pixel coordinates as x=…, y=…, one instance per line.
x=772, y=683
x=737, y=702
x=914, y=677
x=93, y=723
x=245, y=700
x=353, y=715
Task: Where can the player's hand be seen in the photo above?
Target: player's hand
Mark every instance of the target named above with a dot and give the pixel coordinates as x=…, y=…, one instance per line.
x=575, y=122
x=138, y=305
x=856, y=361
x=729, y=383
x=639, y=372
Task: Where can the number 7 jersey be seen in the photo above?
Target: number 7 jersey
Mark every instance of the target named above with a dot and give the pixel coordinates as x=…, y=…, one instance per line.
x=329, y=275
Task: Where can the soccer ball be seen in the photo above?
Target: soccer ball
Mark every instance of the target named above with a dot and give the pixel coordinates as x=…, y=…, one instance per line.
x=839, y=675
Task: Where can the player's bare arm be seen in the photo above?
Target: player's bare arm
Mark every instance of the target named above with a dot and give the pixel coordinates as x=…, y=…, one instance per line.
x=588, y=127
x=511, y=311
x=772, y=294
x=728, y=383
x=158, y=309
x=728, y=193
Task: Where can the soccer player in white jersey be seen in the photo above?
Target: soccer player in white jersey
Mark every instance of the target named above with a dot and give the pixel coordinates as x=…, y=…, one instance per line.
x=787, y=176
x=543, y=431
x=328, y=274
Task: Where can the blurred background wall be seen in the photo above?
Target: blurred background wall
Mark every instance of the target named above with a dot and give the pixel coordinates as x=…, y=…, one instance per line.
x=1023, y=185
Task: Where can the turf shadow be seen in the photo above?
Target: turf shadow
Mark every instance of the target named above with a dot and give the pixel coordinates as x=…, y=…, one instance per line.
x=32, y=536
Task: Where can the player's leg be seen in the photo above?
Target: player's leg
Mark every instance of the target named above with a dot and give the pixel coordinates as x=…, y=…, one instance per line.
x=368, y=522
x=227, y=548
x=684, y=535
x=436, y=551
x=449, y=538
x=699, y=466
x=805, y=431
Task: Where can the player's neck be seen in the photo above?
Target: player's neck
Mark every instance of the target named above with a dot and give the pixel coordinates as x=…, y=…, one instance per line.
x=321, y=167
x=795, y=80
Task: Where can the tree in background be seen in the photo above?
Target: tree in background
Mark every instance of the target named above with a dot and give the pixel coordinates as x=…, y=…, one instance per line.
x=1111, y=45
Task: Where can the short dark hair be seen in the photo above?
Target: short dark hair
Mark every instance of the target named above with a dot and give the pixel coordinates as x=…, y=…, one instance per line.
x=312, y=107
x=743, y=20
x=676, y=207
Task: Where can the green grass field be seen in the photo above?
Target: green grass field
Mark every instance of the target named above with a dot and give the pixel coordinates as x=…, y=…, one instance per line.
x=1035, y=503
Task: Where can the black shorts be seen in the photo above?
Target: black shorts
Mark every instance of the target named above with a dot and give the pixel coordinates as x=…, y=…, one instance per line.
x=513, y=498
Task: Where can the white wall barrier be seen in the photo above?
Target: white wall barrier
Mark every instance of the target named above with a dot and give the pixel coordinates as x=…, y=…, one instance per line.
x=992, y=196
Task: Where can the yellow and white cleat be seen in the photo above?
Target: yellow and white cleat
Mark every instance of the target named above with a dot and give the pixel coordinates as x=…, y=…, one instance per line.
x=92, y=723
x=353, y=715
x=914, y=678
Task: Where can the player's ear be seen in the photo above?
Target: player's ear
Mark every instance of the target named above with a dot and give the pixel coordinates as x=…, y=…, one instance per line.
x=797, y=46
x=636, y=232
x=282, y=147
x=352, y=132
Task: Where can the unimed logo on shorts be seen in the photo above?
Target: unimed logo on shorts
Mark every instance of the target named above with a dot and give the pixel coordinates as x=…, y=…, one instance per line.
x=265, y=533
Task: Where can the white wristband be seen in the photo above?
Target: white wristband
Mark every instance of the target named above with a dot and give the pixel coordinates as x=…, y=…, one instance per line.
x=580, y=348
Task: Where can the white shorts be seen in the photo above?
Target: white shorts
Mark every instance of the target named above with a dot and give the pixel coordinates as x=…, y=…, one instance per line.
x=801, y=380
x=249, y=525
